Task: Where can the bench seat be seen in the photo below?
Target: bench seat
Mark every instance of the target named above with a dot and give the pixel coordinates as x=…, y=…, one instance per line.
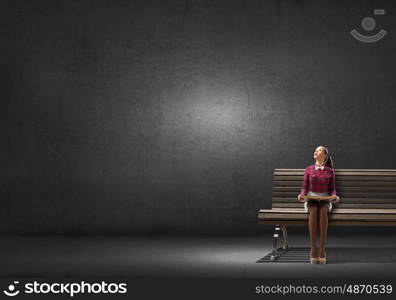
x=338, y=216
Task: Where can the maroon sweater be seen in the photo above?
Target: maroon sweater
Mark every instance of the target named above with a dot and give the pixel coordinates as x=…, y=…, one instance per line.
x=318, y=181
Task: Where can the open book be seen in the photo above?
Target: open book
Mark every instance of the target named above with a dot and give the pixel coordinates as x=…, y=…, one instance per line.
x=319, y=198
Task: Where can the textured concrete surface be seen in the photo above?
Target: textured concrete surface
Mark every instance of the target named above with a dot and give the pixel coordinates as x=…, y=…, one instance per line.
x=359, y=256
x=169, y=116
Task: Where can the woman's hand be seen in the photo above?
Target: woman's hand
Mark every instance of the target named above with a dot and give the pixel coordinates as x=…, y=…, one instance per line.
x=336, y=200
x=300, y=198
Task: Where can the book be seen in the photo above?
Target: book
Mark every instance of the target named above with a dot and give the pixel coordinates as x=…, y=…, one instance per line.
x=319, y=198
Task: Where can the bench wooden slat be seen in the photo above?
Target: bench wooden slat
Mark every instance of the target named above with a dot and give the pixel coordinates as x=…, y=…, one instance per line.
x=343, y=170
x=333, y=216
x=339, y=183
x=339, y=217
x=342, y=200
x=341, y=189
x=334, y=211
x=301, y=172
x=363, y=195
x=331, y=223
x=339, y=178
x=340, y=205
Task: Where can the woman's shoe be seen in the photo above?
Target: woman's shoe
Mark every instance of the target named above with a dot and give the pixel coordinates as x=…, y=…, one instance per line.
x=322, y=260
x=314, y=260
x=313, y=256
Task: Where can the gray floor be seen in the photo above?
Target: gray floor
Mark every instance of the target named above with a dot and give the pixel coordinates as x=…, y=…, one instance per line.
x=350, y=256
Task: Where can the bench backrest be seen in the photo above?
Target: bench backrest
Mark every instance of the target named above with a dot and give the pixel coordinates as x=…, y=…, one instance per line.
x=357, y=188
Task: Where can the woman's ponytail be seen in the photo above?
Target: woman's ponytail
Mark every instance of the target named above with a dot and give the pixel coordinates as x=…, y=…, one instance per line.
x=329, y=161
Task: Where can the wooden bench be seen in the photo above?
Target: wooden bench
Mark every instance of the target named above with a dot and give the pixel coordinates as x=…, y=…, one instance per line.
x=367, y=198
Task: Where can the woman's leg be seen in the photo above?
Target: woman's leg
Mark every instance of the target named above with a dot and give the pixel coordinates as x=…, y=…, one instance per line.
x=323, y=224
x=313, y=227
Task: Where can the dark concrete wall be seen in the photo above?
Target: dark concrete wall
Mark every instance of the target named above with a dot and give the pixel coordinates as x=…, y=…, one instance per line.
x=170, y=116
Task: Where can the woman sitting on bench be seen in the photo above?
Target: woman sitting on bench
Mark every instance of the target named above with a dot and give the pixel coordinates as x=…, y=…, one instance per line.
x=319, y=181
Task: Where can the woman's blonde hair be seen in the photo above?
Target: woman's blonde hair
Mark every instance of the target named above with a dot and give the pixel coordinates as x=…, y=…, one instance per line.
x=328, y=160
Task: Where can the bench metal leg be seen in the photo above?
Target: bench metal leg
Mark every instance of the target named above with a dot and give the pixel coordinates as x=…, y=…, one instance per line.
x=274, y=255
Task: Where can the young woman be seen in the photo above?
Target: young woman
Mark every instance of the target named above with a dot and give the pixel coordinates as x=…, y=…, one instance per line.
x=319, y=180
